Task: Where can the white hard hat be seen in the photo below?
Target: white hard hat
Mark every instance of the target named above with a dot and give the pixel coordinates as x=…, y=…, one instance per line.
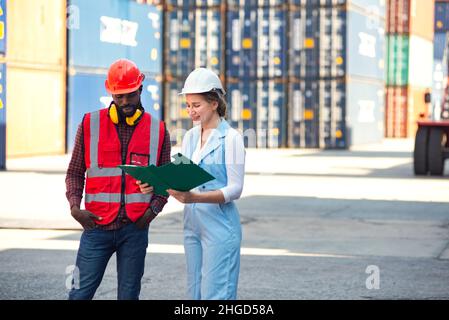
x=202, y=80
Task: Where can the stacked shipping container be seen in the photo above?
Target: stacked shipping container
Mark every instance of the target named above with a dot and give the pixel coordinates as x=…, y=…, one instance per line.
x=336, y=73
x=409, y=65
x=194, y=37
x=99, y=33
x=440, y=94
x=256, y=61
x=2, y=85
x=36, y=65
x=297, y=73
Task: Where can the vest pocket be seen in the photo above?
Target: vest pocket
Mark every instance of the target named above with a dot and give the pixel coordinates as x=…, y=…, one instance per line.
x=101, y=209
x=98, y=194
x=98, y=185
x=109, y=155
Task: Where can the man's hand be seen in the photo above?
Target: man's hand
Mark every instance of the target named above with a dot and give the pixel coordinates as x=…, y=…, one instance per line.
x=146, y=219
x=85, y=218
x=144, y=187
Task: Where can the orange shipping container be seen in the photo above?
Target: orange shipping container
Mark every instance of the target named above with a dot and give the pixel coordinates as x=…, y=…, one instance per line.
x=404, y=106
x=421, y=18
x=37, y=31
x=36, y=114
x=417, y=108
x=411, y=17
x=396, y=112
x=398, y=17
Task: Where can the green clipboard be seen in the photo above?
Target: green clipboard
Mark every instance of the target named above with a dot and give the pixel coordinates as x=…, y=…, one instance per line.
x=181, y=175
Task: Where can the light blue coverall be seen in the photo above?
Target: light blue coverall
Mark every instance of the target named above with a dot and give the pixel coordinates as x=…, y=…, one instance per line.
x=212, y=231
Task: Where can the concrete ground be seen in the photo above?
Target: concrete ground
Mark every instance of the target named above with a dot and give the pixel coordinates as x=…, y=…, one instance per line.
x=315, y=226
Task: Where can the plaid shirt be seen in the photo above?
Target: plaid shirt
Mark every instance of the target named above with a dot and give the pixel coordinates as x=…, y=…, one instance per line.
x=77, y=168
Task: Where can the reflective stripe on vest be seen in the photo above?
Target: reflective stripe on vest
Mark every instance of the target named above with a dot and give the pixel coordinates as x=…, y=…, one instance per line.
x=94, y=138
x=154, y=140
x=104, y=172
x=115, y=197
x=95, y=171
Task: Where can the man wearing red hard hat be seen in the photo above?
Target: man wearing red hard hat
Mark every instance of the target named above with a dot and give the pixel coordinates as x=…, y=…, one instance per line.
x=117, y=215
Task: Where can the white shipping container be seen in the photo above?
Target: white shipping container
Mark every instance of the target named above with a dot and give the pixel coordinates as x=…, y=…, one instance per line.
x=420, y=62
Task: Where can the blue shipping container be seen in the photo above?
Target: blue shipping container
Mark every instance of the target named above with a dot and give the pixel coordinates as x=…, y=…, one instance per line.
x=113, y=29
x=365, y=46
x=313, y=114
x=177, y=118
x=365, y=111
x=295, y=114
x=241, y=43
x=304, y=46
x=441, y=16
x=372, y=7
x=316, y=3
x=304, y=114
x=86, y=93
x=207, y=3
x=272, y=40
x=2, y=26
x=256, y=42
x=271, y=114
x=2, y=116
x=376, y=7
x=242, y=102
x=440, y=45
x=333, y=114
x=255, y=3
x=193, y=3
x=310, y=48
x=180, y=41
x=194, y=38
x=208, y=40
x=332, y=42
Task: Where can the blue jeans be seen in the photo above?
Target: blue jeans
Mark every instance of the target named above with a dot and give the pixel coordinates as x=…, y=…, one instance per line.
x=96, y=248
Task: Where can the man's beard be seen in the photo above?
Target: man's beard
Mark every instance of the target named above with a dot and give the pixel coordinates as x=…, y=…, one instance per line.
x=133, y=108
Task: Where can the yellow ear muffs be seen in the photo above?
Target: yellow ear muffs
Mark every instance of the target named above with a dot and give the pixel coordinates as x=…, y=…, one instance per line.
x=132, y=120
x=113, y=114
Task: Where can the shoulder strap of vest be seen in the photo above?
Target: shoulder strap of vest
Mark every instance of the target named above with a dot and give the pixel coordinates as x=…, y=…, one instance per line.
x=157, y=136
x=91, y=127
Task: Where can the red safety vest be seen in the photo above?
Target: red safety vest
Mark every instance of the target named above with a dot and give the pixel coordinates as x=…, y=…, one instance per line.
x=107, y=187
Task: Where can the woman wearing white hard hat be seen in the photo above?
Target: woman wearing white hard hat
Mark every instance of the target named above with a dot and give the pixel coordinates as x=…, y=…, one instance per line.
x=212, y=230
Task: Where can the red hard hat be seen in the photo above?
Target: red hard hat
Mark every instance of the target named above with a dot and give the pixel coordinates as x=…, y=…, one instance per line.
x=123, y=77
